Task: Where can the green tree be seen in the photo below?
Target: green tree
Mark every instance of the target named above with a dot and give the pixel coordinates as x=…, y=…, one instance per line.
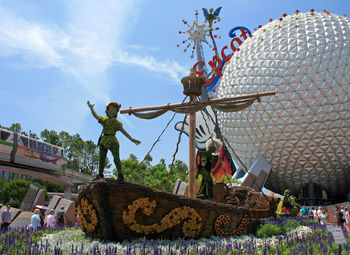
x=16, y=127
x=152, y=176
x=89, y=160
x=2, y=183
x=65, y=139
x=178, y=171
x=33, y=135
x=50, y=137
x=157, y=175
x=74, y=152
x=133, y=171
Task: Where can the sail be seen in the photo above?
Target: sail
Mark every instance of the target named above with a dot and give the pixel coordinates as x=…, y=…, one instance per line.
x=220, y=106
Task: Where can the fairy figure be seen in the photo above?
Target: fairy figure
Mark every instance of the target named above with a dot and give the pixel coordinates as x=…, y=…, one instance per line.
x=210, y=16
x=108, y=140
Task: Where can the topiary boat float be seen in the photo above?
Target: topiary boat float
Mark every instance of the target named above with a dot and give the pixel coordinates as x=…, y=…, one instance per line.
x=116, y=211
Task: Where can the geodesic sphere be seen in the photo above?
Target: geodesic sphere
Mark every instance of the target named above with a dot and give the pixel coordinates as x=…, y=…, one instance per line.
x=304, y=130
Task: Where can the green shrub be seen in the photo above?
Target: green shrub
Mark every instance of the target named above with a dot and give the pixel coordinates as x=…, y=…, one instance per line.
x=308, y=222
x=2, y=183
x=13, y=192
x=290, y=225
x=269, y=230
x=13, y=203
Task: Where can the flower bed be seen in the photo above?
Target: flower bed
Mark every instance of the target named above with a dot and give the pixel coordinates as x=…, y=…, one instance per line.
x=306, y=237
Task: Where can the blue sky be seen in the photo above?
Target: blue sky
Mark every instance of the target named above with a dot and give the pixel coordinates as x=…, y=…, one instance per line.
x=55, y=55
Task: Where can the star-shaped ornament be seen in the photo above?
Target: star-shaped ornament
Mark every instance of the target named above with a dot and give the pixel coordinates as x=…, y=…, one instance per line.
x=196, y=31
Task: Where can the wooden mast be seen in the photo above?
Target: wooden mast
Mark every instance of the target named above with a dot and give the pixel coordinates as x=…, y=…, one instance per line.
x=192, y=88
x=192, y=152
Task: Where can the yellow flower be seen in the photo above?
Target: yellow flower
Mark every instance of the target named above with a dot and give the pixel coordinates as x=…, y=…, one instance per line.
x=191, y=227
x=86, y=208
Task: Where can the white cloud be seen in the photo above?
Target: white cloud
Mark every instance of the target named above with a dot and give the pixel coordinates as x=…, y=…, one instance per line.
x=32, y=41
x=133, y=47
x=169, y=67
x=85, y=45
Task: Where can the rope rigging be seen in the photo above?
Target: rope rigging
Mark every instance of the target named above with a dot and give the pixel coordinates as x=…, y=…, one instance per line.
x=177, y=148
x=158, y=139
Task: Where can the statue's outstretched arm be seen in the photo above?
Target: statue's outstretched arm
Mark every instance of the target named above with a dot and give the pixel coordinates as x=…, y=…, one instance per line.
x=91, y=106
x=129, y=137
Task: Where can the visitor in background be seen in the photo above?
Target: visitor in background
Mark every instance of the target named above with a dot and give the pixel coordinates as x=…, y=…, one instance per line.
x=42, y=218
x=35, y=220
x=340, y=216
x=319, y=212
x=61, y=217
x=305, y=211
x=347, y=218
x=50, y=219
x=77, y=220
x=311, y=214
x=323, y=217
x=342, y=210
x=314, y=213
x=6, y=218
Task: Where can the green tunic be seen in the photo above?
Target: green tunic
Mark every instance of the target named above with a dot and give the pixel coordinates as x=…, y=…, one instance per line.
x=110, y=127
x=108, y=141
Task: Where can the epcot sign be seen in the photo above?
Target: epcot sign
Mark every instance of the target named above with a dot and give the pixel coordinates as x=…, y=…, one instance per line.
x=217, y=63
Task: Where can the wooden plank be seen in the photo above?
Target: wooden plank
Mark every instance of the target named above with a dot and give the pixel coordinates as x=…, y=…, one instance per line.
x=183, y=189
x=39, y=198
x=22, y=220
x=258, y=185
x=249, y=180
x=176, y=186
x=54, y=201
x=27, y=203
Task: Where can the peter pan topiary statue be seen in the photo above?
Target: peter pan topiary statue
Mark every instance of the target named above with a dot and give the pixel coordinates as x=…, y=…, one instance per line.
x=107, y=140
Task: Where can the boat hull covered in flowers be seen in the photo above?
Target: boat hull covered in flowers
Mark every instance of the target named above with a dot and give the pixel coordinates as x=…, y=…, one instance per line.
x=116, y=211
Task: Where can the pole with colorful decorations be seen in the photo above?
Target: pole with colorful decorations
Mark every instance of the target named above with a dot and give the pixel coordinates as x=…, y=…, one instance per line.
x=197, y=36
